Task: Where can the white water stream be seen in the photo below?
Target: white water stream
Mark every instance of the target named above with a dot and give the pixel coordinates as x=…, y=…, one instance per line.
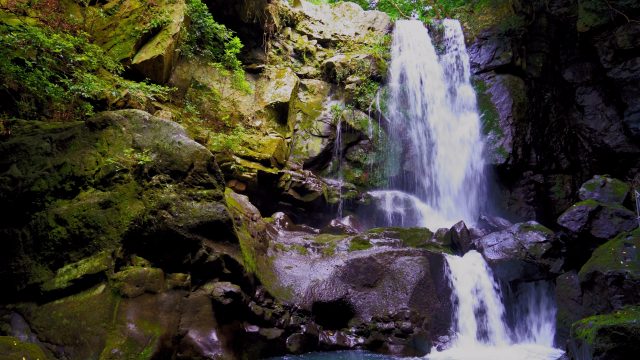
x=479, y=325
x=433, y=114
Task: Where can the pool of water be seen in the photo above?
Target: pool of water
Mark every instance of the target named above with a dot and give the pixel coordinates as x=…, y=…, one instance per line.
x=337, y=355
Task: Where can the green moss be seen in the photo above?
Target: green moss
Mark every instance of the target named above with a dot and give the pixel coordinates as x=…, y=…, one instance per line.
x=359, y=243
x=328, y=238
x=12, y=348
x=300, y=249
x=533, y=226
x=80, y=321
x=121, y=345
x=588, y=202
x=589, y=329
x=65, y=276
x=619, y=254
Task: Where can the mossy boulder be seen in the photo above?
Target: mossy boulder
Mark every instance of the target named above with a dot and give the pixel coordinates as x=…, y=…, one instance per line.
x=135, y=281
x=276, y=92
x=596, y=219
x=156, y=58
x=310, y=140
x=604, y=189
x=611, y=277
x=138, y=32
x=70, y=190
x=255, y=236
x=12, y=348
x=593, y=14
x=608, y=336
x=74, y=327
x=81, y=271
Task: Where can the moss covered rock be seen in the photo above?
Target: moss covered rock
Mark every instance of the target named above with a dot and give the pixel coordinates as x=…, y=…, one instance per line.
x=80, y=271
x=70, y=190
x=604, y=189
x=344, y=21
x=156, y=57
x=598, y=220
x=135, y=281
x=76, y=327
x=608, y=336
x=611, y=277
x=12, y=348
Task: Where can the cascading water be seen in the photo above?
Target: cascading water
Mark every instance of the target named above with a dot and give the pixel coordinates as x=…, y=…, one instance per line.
x=433, y=112
x=479, y=325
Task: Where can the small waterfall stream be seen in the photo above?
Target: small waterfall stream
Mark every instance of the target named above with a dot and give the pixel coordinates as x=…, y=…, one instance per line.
x=480, y=329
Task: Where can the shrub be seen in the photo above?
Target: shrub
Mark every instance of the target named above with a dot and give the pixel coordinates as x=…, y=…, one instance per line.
x=53, y=74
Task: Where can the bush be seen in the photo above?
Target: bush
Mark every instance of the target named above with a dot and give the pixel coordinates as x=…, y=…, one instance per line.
x=208, y=39
x=52, y=74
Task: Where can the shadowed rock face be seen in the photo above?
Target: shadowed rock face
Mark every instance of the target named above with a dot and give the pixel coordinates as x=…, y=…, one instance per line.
x=564, y=85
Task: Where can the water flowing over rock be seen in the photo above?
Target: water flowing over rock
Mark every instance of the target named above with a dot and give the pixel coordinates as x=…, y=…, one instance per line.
x=480, y=327
x=433, y=111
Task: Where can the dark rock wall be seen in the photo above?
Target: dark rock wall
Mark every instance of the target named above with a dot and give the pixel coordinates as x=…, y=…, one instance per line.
x=564, y=78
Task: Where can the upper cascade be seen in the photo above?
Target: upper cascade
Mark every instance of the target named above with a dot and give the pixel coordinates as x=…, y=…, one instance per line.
x=433, y=115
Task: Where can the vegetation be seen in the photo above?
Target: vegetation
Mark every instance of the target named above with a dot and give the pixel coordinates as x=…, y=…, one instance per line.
x=210, y=40
x=55, y=74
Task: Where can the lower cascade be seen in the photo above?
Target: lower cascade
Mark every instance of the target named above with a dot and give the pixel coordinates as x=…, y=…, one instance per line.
x=480, y=328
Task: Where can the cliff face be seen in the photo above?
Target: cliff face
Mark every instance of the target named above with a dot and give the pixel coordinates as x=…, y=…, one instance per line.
x=562, y=77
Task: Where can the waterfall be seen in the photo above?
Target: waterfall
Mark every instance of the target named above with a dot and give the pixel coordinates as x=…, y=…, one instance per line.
x=480, y=329
x=337, y=156
x=433, y=113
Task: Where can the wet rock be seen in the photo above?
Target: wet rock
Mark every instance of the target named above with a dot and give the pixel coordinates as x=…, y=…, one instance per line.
x=299, y=343
x=337, y=227
x=568, y=295
x=14, y=348
x=493, y=223
x=135, y=281
x=334, y=340
x=94, y=268
x=608, y=336
x=611, y=277
x=522, y=251
x=459, y=238
x=599, y=220
x=604, y=189
x=202, y=336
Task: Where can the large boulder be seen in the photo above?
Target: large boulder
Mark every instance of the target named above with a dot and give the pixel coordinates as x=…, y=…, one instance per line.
x=611, y=277
x=525, y=251
x=609, y=336
x=70, y=190
x=343, y=21
x=599, y=220
x=348, y=281
x=604, y=189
